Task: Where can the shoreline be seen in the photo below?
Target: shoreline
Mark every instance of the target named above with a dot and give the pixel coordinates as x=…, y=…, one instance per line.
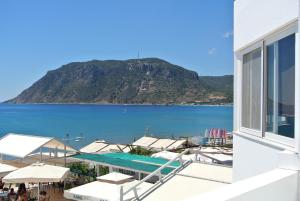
x=123, y=104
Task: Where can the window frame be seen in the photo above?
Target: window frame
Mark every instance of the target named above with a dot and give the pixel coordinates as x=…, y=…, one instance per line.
x=292, y=29
x=251, y=48
x=262, y=44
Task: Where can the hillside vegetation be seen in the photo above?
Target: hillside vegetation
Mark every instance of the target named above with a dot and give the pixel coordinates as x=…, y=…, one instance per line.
x=136, y=81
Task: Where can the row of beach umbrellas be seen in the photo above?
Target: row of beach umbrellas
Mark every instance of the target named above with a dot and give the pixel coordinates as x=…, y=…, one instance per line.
x=35, y=173
x=215, y=133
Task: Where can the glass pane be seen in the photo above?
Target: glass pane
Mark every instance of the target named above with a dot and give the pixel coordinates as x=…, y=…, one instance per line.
x=251, y=90
x=281, y=87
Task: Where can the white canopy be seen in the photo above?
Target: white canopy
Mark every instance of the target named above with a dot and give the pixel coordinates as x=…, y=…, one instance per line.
x=178, y=144
x=155, y=143
x=112, y=148
x=20, y=146
x=37, y=173
x=94, y=147
x=145, y=141
x=98, y=190
x=102, y=147
x=162, y=144
x=5, y=169
x=115, y=177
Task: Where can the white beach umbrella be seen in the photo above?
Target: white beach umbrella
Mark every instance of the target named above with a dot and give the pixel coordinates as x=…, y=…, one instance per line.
x=206, y=134
x=37, y=173
x=5, y=169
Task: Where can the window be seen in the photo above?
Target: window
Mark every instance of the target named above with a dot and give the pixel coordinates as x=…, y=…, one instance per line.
x=251, y=90
x=268, y=87
x=280, y=98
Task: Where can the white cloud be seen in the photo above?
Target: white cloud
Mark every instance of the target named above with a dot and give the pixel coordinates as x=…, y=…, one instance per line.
x=227, y=34
x=212, y=51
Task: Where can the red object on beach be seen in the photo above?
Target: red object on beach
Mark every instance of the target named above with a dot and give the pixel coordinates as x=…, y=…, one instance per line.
x=215, y=132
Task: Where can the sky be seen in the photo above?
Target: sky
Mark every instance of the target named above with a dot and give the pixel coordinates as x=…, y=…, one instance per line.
x=37, y=36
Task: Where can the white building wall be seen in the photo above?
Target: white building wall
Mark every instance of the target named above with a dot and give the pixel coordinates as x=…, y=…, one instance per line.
x=283, y=189
x=252, y=158
x=275, y=185
x=254, y=19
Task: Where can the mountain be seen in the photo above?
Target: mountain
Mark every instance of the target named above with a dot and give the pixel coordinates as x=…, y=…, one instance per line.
x=135, y=81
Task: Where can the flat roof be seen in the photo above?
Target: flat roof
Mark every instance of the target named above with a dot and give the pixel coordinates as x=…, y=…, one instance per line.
x=103, y=191
x=193, y=180
x=129, y=161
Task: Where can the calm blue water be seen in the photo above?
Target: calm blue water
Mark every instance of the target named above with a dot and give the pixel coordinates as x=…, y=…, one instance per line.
x=113, y=123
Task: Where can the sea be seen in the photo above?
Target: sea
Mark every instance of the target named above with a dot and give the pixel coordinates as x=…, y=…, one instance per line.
x=81, y=124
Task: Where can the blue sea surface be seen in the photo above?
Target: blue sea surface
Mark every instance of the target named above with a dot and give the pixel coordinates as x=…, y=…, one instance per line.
x=113, y=123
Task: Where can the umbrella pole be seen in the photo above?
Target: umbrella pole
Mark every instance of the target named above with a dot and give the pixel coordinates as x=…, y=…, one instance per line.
x=65, y=155
x=38, y=192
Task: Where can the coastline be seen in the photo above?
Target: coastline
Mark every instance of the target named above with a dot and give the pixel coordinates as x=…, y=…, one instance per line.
x=115, y=123
x=123, y=104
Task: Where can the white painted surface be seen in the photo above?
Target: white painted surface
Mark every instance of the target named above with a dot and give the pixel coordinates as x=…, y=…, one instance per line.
x=21, y=145
x=253, y=19
x=275, y=185
x=5, y=169
x=37, y=173
x=103, y=191
x=145, y=141
x=115, y=177
x=193, y=180
x=236, y=78
x=251, y=158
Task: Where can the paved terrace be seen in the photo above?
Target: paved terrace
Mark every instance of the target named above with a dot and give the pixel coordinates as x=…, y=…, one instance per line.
x=195, y=179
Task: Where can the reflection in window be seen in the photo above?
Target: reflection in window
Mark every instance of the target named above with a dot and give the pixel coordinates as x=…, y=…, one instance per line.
x=251, y=90
x=281, y=87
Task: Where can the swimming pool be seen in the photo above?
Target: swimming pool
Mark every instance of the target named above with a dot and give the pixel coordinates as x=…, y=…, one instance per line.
x=129, y=161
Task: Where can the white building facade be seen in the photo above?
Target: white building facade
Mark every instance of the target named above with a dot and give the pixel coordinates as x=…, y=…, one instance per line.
x=267, y=86
x=266, y=103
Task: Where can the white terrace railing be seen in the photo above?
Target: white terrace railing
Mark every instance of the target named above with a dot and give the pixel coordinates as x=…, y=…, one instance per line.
x=155, y=173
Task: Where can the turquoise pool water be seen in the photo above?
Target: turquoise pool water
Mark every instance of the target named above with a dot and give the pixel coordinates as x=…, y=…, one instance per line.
x=130, y=161
x=140, y=158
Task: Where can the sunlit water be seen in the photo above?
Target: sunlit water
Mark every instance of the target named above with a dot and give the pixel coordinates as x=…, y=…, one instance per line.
x=113, y=123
